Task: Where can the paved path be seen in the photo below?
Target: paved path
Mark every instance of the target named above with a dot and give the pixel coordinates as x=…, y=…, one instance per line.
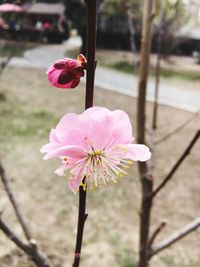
x=44, y=55
x=169, y=95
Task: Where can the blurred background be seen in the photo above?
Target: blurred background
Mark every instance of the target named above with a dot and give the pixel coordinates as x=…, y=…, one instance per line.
x=33, y=34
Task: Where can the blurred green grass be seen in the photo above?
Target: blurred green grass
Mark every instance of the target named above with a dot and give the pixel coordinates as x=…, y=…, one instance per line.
x=126, y=67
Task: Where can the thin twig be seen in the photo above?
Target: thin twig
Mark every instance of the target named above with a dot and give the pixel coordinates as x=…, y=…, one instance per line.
x=146, y=177
x=12, y=198
x=177, y=164
x=11, y=235
x=156, y=232
x=35, y=254
x=131, y=32
x=175, y=237
x=91, y=7
x=158, y=61
x=81, y=222
x=177, y=129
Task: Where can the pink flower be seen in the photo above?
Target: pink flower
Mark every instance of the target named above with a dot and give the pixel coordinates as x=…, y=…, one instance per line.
x=66, y=72
x=95, y=145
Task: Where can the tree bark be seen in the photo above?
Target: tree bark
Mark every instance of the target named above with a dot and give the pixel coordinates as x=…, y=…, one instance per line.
x=157, y=82
x=145, y=177
x=32, y=251
x=91, y=7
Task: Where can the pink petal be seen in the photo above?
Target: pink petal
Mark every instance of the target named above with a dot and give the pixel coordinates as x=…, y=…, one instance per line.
x=53, y=138
x=95, y=113
x=60, y=171
x=68, y=122
x=68, y=151
x=48, y=147
x=75, y=182
x=75, y=82
x=65, y=77
x=115, y=127
x=137, y=152
x=65, y=73
x=122, y=127
x=97, y=126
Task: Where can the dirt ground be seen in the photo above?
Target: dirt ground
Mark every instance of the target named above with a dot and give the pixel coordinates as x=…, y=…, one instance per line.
x=29, y=108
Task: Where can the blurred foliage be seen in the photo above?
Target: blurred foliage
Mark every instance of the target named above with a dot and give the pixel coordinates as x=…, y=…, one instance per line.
x=112, y=7
x=174, y=13
x=171, y=8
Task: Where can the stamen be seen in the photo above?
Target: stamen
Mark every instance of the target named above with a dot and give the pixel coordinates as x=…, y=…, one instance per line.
x=100, y=167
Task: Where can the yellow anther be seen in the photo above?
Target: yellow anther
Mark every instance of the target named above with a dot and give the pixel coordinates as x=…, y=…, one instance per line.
x=98, y=152
x=120, y=174
x=84, y=186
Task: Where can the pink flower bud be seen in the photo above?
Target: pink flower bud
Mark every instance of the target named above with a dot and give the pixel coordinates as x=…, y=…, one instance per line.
x=66, y=72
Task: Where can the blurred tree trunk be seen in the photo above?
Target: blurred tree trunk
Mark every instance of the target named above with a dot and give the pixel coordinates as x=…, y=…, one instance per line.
x=131, y=32
x=157, y=71
x=145, y=176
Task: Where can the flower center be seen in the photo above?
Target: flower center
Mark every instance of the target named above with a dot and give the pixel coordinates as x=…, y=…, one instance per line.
x=100, y=167
x=95, y=156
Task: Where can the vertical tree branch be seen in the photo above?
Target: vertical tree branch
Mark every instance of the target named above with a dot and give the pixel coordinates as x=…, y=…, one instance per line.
x=145, y=177
x=157, y=82
x=82, y=216
x=91, y=7
x=131, y=32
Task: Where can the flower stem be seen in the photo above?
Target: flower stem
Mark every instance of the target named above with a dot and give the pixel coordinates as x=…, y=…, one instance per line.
x=91, y=48
x=91, y=65
x=82, y=216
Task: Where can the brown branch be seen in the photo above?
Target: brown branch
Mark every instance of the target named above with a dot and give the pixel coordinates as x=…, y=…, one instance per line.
x=91, y=8
x=175, y=237
x=145, y=177
x=11, y=235
x=177, y=164
x=12, y=198
x=31, y=249
x=158, y=67
x=177, y=129
x=131, y=32
x=156, y=232
x=36, y=255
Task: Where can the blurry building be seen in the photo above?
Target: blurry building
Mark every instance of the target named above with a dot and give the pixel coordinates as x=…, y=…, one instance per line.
x=40, y=21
